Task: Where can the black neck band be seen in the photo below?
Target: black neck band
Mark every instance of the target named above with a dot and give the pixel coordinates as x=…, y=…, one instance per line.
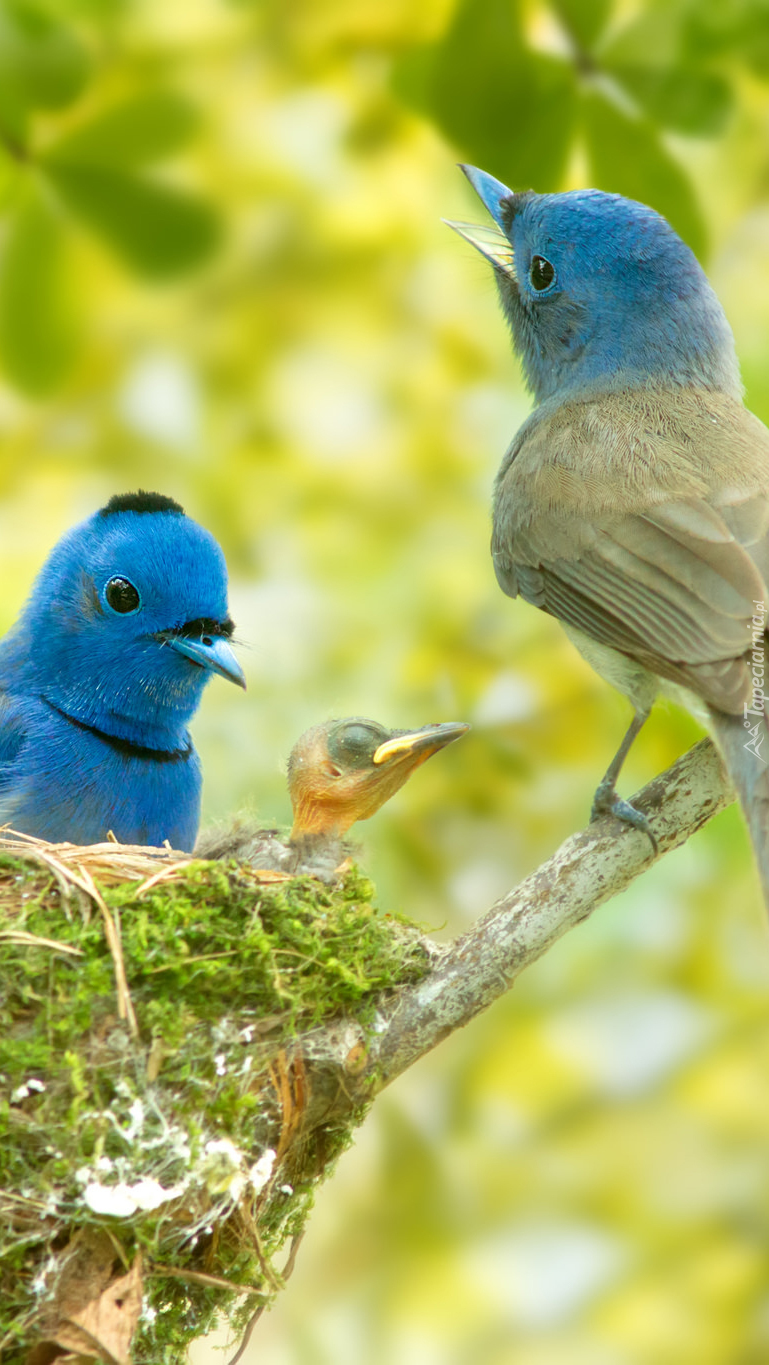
x=127, y=746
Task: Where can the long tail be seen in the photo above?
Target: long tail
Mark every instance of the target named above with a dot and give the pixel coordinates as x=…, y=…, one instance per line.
x=745, y=747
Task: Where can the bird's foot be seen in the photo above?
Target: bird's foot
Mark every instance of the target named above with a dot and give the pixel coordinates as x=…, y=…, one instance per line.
x=607, y=802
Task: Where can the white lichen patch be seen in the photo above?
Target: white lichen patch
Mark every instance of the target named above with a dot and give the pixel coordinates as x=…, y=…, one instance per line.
x=223, y=1149
x=261, y=1170
x=224, y=1169
x=136, y=1115
x=41, y=1283
x=121, y=1200
x=31, y=1087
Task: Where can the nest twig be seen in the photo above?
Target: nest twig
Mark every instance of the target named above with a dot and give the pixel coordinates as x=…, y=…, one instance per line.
x=110, y=862
x=74, y=866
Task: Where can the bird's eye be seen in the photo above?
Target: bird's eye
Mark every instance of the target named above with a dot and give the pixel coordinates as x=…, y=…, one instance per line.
x=352, y=743
x=122, y=596
x=541, y=273
x=357, y=738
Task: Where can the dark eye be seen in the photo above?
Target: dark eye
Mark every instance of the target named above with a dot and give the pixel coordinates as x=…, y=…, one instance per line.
x=541, y=273
x=356, y=738
x=122, y=596
x=353, y=744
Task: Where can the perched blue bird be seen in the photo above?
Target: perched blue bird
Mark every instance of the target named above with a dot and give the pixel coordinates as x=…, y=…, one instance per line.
x=102, y=672
x=633, y=504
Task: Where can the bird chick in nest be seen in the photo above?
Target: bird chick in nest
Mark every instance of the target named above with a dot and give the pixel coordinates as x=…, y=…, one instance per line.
x=338, y=773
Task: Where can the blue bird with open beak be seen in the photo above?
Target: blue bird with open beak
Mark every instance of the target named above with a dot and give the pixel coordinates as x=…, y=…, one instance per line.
x=633, y=503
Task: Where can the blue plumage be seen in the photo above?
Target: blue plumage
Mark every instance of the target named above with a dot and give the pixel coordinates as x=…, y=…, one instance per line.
x=102, y=672
x=633, y=504
x=628, y=300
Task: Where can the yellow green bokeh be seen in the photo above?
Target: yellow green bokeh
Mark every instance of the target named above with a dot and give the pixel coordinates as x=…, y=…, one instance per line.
x=224, y=276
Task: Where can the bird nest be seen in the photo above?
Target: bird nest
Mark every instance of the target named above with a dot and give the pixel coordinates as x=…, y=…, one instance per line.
x=178, y=1052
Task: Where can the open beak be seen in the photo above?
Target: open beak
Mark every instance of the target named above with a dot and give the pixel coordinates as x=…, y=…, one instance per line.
x=492, y=242
x=415, y=746
x=207, y=651
x=491, y=192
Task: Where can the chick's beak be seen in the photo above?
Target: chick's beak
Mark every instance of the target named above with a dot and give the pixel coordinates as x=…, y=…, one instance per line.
x=207, y=651
x=415, y=746
x=492, y=242
x=323, y=807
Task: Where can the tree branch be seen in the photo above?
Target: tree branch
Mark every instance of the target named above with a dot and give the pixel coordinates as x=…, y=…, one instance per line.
x=474, y=970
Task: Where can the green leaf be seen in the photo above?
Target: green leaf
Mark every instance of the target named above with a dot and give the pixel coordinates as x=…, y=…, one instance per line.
x=141, y=130
x=42, y=63
x=740, y=28
x=688, y=101
x=653, y=38
x=507, y=109
x=412, y=78
x=751, y=38
x=13, y=118
x=102, y=12
x=37, y=331
x=585, y=20
x=11, y=174
x=627, y=157
x=158, y=230
x=649, y=58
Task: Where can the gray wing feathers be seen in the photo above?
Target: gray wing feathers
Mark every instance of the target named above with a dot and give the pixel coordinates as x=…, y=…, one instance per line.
x=673, y=585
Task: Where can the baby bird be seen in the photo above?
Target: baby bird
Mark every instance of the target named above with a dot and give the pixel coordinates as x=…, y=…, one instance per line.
x=338, y=773
x=102, y=672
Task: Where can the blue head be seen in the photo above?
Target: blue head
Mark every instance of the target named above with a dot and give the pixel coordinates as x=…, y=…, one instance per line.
x=600, y=292
x=126, y=621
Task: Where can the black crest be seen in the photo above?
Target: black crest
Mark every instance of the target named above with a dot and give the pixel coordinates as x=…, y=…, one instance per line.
x=140, y=501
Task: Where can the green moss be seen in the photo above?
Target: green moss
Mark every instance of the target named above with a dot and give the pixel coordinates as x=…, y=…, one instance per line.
x=225, y=975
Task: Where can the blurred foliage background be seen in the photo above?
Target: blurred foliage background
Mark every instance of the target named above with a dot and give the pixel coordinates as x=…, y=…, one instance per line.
x=223, y=275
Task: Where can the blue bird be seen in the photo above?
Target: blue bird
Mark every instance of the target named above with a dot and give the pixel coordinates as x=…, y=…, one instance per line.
x=102, y=672
x=633, y=504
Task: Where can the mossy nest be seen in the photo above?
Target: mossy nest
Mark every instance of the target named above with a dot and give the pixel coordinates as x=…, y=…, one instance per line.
x=163, y=1111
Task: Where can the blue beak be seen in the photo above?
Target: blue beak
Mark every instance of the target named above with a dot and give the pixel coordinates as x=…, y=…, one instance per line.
x=490, y=239
x=491, y=192
x=207, y=651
